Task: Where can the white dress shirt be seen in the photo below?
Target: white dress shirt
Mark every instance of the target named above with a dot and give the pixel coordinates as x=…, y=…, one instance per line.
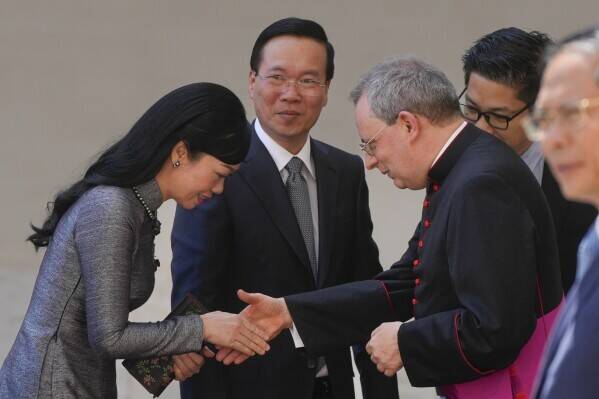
x=535, y=160
x=281, y=157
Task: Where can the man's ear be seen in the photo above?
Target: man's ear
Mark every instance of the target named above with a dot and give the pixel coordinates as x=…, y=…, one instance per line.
x=251, y=83
x=411, y=123
x=326, y=93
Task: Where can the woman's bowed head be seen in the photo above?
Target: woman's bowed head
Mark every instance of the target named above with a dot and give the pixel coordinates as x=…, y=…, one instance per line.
x=189, y=141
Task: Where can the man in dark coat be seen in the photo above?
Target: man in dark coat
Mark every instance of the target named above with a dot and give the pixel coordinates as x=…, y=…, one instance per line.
x=480, y=276
x=294, y=218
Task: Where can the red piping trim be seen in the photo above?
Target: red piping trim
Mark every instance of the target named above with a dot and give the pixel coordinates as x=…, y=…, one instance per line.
x=457, y=338
x=541, y=305
x=388, y=296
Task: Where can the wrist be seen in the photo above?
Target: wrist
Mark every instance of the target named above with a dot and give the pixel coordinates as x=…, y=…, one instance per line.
x=287, y=320
x=206, y=327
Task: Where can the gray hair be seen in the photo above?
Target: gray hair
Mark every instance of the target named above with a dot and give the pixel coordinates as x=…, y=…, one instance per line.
x=585, y=42
x=407, y=83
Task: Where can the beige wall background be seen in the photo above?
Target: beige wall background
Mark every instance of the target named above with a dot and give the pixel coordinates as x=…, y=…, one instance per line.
x=75, y=75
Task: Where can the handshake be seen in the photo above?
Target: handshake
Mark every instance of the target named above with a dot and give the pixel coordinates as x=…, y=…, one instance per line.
x=237, y=337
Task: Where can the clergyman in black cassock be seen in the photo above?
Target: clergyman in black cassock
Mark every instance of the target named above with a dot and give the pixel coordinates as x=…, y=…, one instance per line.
x=481, y=267
x=481, y=274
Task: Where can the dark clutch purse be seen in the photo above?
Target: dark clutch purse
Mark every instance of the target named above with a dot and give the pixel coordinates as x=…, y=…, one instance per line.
x=157, y=372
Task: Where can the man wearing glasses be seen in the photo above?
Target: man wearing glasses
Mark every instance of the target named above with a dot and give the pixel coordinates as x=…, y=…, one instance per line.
x=470, y=277
x=502, y=76
x=565, y=120
x=294, y=218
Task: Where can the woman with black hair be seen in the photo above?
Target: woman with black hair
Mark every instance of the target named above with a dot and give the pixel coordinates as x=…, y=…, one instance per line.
x=99, y=264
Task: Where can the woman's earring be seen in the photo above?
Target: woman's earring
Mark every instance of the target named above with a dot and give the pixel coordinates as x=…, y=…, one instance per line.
x=176, y=164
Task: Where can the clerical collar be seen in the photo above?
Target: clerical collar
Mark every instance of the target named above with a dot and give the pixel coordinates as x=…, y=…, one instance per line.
x=449, y=155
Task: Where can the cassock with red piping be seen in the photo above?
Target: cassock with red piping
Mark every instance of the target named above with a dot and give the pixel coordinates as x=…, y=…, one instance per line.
x=480, y=269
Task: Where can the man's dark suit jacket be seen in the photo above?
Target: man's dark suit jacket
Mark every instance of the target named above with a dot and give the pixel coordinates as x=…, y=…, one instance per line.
x=576, y=376
x=571, y=220
x=249, y=238
x=480, y=269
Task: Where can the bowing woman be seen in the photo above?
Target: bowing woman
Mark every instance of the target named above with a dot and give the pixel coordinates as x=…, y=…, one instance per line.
x=99, y=263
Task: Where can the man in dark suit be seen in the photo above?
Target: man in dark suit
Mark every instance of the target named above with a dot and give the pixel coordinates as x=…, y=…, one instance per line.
x=502, y=80
x=293, y=219
x=480, y=275
x=566, y=121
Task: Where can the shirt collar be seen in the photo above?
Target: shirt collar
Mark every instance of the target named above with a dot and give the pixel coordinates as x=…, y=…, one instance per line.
x=533, y=158
x=450, y=155
x=533, y=152
x=449, y=141
x=280, y=155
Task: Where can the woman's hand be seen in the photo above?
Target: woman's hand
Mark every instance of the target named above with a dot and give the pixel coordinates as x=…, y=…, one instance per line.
x=234, y=331
x=186, y=365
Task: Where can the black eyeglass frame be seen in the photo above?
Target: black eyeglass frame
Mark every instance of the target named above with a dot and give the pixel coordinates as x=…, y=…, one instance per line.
x=488, y=115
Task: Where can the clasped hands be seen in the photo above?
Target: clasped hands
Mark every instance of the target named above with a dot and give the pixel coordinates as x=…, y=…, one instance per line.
x=238, y=337
x=383, y=348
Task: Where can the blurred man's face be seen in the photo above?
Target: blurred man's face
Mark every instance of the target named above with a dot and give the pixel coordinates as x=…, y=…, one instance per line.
x=571, y=142
x=500, y=101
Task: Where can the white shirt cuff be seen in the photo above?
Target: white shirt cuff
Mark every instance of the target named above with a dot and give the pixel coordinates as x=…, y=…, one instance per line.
x=297, y=340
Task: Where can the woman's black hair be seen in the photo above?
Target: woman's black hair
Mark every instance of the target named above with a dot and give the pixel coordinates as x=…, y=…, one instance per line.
x=207, y=117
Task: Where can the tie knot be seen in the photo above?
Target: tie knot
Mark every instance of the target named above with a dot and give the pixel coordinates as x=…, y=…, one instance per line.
x=294, y=165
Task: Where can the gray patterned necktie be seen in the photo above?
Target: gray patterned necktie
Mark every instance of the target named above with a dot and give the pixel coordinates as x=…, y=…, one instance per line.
x=297, y=189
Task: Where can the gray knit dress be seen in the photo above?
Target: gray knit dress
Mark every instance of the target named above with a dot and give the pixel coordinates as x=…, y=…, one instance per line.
x=97, y=268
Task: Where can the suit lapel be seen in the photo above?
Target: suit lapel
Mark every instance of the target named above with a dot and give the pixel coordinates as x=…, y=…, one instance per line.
x=326, y=183
x=582, y=290
x=261, y=174
x=551, y=347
